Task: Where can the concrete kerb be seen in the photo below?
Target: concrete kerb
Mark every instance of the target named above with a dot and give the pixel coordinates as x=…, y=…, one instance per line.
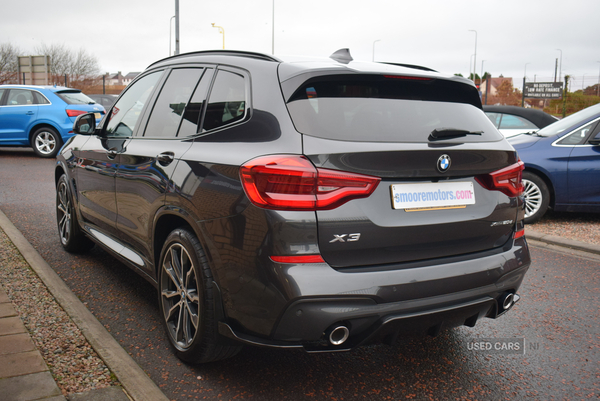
x=560, y=241
x=135, y=381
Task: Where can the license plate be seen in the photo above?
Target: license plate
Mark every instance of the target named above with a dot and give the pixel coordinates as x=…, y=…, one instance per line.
x=435, y=195
x=98, y=116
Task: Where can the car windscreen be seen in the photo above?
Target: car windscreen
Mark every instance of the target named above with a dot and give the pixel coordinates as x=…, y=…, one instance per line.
x=74, y=97
x=380, y=108
x=566, y=123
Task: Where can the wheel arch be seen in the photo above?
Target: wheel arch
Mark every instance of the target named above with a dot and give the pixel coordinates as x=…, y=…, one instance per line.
x=167, y=221
x=43, y=125
x=59, y=170
x=544, y=177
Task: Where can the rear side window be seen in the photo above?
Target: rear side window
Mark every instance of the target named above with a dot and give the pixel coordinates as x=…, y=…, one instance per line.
x=510, y=121
x=40, y=99
x=173, y=102
x=227, y=101
x=494, y=118
x=191, y=115
x=74, y=97
x=376, y=108
x=579, y=136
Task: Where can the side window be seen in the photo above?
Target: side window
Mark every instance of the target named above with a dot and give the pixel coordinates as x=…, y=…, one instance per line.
x=578, y=136
x=127, y=111
x=514, y=122
x=40, y=99
x=1, y=94
x=191, y=115
x=494, y=118
x=20, y=97
x=172, y=103
x=227, y=100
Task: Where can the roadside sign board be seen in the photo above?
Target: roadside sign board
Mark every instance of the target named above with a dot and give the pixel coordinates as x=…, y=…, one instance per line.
x=33, y=70
x=543, y=90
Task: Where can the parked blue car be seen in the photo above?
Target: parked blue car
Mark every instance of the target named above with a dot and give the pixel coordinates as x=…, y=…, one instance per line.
x=562, y=165
x=41, y=116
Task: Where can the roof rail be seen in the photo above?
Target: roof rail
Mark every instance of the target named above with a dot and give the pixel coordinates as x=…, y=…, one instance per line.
x=237, y=53
x=416, y=67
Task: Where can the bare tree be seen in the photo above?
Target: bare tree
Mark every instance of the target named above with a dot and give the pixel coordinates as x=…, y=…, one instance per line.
x=84, y=64
x=8, y=62
x=63, y=61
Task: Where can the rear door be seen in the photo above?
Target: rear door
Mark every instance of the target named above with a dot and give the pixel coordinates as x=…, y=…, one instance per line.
x=430, y=143
x=16, y=116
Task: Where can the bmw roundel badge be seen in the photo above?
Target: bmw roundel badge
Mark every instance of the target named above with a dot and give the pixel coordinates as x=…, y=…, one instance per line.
x=443, y=163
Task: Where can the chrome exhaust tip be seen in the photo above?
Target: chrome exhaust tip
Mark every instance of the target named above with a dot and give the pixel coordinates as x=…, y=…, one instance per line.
x=338, y=335
x=507, y=301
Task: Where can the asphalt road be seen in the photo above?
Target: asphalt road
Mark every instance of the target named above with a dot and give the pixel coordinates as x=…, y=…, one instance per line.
x=557, y=319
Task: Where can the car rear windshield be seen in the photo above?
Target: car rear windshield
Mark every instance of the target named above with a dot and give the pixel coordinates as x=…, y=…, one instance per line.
x=378, y=108
x=74, y=97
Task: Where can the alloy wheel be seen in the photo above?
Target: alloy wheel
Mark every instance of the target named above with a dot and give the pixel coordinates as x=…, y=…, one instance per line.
x=179, y=295
x=64, y=213
x=533, y=198
x=45, y=142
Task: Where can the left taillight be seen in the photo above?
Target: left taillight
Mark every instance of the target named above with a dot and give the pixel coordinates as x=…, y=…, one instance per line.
x=507, y=180
x=75, y=113
x=292, y=182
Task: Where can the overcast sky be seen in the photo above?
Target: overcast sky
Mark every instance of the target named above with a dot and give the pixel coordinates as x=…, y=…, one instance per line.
x=512, y=35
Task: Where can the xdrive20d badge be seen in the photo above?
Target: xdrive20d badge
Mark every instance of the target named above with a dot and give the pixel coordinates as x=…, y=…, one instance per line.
x=312, y=204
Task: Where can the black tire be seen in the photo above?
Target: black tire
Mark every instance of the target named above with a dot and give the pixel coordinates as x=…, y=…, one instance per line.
x=537, y=197
x=186, y=300
x=71, y=236
x=46, y=142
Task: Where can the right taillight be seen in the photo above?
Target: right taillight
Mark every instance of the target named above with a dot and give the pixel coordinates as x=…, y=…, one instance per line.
x=506, y=180
x=292, y=182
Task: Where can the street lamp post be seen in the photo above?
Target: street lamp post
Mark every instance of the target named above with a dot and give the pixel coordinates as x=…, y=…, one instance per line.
x=471, y=73
x=170, y=29
x=272, y=30
x=598, y=87
x=524, y=79
x=475, y=57
x=221, y=30
x=560, y=67
x=378, y=40
x=481, y=76
x=176, y=27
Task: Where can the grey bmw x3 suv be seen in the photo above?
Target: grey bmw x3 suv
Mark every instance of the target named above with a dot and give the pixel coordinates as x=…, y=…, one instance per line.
x=316, y=204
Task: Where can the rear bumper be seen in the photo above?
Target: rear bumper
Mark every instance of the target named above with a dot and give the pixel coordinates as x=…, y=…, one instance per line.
x=377, y=304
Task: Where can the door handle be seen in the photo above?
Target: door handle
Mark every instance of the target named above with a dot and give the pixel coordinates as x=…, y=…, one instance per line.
x=30, y=113
x=111, y=153
x=166, y=158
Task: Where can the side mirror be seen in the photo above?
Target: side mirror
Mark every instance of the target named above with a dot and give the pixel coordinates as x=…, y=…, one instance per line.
x=85, y=124
x=594, y=142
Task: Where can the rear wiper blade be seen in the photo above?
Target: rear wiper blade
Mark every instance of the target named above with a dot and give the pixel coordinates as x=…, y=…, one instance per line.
x=449, y=133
